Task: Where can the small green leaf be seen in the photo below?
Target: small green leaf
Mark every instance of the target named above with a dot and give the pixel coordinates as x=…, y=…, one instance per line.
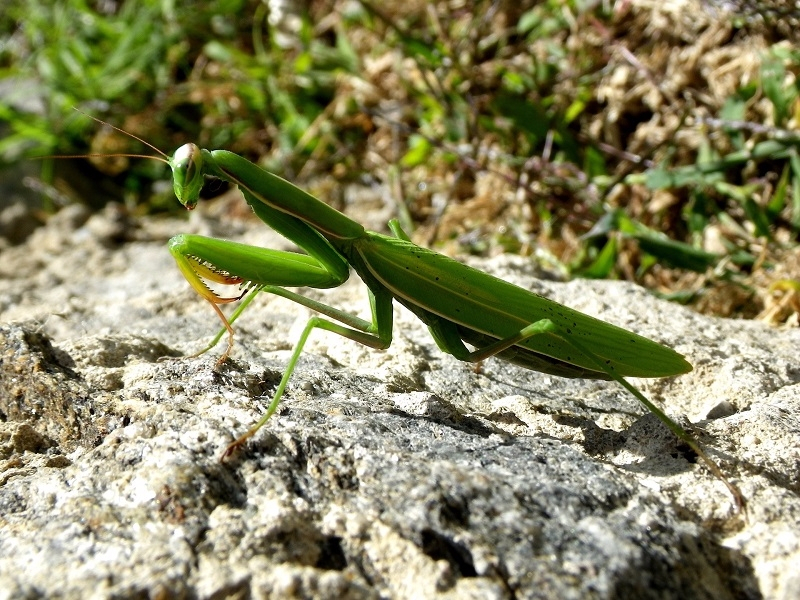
x=678, y=254
x=528, y=21
x=658, y=178
x=778, y=199
x=680, y=296
x=528, y=117
x=419, y=150
x=757, y=216
x=605, y=225
x=603, y=264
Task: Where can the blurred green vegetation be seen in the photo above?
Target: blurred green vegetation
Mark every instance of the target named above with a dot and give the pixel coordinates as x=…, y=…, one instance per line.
x=498, y=126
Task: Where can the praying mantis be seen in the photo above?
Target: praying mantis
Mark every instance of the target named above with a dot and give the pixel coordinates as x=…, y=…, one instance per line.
x=460, y=305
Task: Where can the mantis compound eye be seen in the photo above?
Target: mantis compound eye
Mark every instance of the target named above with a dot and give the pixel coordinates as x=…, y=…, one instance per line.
x=187, y=174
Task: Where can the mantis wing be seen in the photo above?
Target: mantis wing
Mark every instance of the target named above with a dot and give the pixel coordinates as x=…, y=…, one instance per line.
x=485, y=307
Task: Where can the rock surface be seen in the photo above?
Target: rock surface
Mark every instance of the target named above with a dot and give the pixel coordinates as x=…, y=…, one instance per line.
x=395, y=474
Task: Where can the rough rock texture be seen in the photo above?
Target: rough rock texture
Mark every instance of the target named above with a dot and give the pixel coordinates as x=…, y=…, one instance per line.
x=396, y=474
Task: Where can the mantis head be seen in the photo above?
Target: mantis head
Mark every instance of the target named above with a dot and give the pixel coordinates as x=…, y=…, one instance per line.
x=187, y=174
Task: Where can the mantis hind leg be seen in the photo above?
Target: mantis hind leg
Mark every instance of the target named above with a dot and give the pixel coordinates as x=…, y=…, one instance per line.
x=447, y=337
x=672, y=425
x=376, y=334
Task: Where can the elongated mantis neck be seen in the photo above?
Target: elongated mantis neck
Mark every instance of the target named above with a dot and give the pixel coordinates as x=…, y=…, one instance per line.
x=278, y=194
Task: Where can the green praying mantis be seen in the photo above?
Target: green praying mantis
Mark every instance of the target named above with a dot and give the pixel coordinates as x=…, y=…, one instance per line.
x=460, y=305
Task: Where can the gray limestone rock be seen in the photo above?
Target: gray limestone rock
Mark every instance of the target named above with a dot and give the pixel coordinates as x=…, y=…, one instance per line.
x=395, y=474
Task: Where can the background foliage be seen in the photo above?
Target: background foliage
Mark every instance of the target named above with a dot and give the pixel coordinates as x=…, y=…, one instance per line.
x=652, y=143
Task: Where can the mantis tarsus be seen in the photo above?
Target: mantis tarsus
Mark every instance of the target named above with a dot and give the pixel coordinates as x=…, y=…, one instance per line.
x=458, y=303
